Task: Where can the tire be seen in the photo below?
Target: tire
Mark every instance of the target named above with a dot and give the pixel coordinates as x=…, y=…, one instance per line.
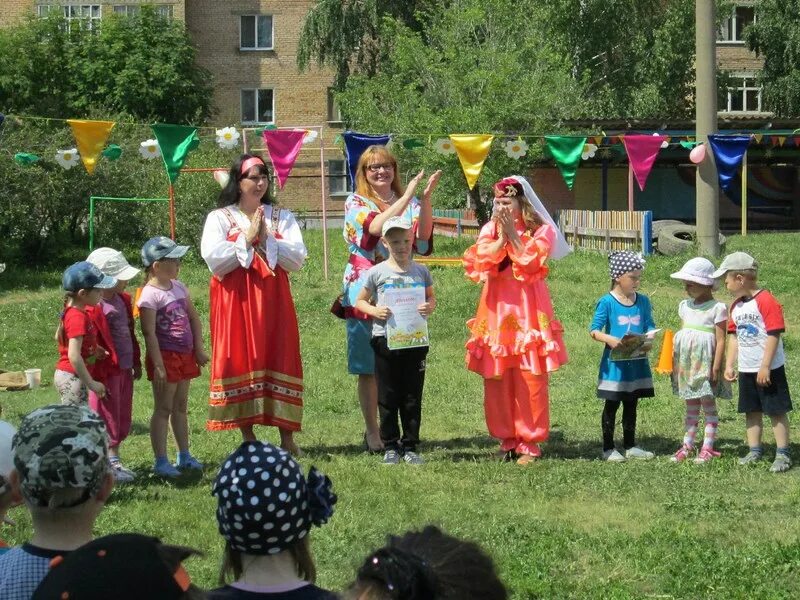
x=657, y=226
x=676, y=239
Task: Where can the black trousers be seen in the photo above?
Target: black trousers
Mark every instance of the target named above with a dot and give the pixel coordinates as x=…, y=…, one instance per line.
x=608, y=421
x=400, y=376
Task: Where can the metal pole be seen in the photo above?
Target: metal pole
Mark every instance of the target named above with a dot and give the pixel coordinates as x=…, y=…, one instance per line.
x=707, y=200
x=324, y=209
x=744, y=194
x=630, y=186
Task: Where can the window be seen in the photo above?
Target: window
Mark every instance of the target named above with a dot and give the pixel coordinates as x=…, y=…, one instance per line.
x=131, y=10
x=258, y=106
x=338, y=178
x=334, y=114
x=744, y=95
x=255, y=32
x=732, y=28
x=88, y=13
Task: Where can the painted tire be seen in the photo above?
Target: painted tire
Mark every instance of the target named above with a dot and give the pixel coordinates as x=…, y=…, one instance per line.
x=676, y=239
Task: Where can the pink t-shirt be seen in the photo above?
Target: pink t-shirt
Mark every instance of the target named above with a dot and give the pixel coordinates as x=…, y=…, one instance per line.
x=752, y=320
x=173, y=328
x=117, y=317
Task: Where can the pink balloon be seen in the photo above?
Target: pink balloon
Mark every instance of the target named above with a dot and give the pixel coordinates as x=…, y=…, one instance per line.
x=697, y=154
x=221, y=177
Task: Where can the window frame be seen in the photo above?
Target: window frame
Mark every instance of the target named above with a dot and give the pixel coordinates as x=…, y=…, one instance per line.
x=335, y=176
x=741, y=80
x=163, y=10
x=256, y=47
x=334, y=112
x=241, y=105
x=67, y=8
x=730, y=24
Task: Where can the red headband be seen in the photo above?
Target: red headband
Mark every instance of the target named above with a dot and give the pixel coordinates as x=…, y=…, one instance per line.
x=508, y=187
x=250, y=163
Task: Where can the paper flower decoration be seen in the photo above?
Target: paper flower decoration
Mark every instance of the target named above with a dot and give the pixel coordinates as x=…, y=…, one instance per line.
x=227, y=138
x=589, y=150
x=665, y=143
x=445, y=146
x=67, y=158
x=149, y=149
x=310, y=136
x=516, y=148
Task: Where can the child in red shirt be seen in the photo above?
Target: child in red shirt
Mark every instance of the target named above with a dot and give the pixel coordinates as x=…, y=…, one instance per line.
x=77, y=335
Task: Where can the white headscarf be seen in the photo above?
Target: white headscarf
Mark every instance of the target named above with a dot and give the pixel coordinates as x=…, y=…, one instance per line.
x=560, y=247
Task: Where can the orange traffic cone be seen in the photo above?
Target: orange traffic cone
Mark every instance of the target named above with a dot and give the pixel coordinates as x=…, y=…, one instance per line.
x=665, y=358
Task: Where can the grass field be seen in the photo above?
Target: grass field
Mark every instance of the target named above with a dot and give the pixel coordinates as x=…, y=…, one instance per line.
x=569, y=526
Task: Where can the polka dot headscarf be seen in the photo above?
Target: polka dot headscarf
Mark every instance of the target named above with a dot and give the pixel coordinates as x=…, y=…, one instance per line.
x=623, y=262
x=264, y=504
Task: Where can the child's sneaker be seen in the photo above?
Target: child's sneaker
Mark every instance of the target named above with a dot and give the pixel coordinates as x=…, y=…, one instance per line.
x=391, y=457
x=165, y=469
x=750, y=458
x=413, y=458
x=637, y=453
x=682, y=454
x=189, y=462
x=781, y=463
x=705, y=456
x=613, y=456
x=120, y=473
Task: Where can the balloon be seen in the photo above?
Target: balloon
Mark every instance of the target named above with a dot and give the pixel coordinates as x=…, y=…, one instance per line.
x=697, y=154
x=221, y=177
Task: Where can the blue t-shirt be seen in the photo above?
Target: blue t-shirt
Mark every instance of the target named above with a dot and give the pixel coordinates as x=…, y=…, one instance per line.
x=22, y=570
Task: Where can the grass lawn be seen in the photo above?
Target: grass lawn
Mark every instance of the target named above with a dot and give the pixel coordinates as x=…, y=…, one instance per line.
x=569, y=526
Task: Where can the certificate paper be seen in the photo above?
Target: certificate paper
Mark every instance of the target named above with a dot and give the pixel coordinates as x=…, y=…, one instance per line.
x=634, y=346
x=405, y=327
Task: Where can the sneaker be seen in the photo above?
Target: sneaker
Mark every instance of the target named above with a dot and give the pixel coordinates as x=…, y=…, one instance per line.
x=705, y=456
x=750, y=458
x=639, y=454
x=781, y=463
x=613, y=456
x=121, y=474
x=526, y=459
x=682, y=454
x=413, y=458
x=166, y=470
x=391, y=457
x=189, y=463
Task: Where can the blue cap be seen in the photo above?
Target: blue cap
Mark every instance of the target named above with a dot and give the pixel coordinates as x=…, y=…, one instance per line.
x=159, y=248
x=85, y=276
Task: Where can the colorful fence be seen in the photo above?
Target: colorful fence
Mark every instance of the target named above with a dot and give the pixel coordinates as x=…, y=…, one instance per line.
x=607, y=230
x=455, y=223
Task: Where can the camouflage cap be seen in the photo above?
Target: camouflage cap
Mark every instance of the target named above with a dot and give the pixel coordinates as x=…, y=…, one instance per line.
x=60, y=447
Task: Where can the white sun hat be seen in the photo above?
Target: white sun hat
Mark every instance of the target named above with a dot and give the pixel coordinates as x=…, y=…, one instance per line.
x=699, y=270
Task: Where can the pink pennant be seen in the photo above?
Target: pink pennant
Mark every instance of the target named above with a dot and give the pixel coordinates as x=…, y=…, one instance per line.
x=642, y=151
x=283, y=146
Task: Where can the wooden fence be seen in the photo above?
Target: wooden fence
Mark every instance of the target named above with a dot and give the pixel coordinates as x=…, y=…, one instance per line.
x=607, y=230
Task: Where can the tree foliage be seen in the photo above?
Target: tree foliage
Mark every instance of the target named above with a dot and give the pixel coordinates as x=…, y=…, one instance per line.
x=136, y=65
x=776, y=36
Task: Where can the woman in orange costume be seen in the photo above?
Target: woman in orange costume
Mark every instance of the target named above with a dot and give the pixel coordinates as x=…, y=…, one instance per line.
x=515, y=340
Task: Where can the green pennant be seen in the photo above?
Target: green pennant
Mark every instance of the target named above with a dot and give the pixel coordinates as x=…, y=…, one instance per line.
x=175, y=141
x=689, y=145
x=412, y=143
x=112, y=152
x=566, y=151
x=25, y=159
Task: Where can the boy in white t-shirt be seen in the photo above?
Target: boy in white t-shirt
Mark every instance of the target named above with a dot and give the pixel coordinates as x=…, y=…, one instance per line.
x=754, y=327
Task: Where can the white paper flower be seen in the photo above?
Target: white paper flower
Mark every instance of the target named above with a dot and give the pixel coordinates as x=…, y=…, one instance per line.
x=516, y=148
x=445, y=146
x=589, y=151
x=149, y=149
x=310, y=136
x=67, y=158
x=665, y=143
x=227, y=138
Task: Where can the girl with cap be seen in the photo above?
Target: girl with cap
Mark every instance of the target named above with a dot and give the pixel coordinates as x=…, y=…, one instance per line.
x=78, y=349
x=515, y=340
x=620, y=312
x=113, y=317
x=250, y=246
x=698, y=352
x=265, y=510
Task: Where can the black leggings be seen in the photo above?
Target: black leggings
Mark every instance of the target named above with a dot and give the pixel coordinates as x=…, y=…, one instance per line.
x=608, y=421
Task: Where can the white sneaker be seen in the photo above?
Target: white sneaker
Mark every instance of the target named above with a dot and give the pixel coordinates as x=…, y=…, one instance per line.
x=638, y=453
x=121, y=474
x=613, y=456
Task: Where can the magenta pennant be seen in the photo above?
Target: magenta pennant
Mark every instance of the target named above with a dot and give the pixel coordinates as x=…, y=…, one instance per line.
x=642, y=151
x=283, y=146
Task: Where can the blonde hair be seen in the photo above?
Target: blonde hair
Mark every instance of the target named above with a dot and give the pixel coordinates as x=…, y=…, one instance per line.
x=750, y=274
x=372, y=154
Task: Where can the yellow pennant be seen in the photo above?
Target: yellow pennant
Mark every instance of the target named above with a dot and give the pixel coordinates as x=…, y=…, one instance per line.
x=90, y=137
x=758, y=137
x=781, y=140
x=472, y=151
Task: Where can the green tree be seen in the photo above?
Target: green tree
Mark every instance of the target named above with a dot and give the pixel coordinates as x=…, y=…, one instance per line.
x=776, y=36
x=136, y=65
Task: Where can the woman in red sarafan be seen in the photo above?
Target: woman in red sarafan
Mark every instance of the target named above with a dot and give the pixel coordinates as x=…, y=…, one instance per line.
x=250, y=246
x=515, y=340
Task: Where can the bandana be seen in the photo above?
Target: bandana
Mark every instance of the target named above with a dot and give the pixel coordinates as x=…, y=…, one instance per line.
x=623, y=262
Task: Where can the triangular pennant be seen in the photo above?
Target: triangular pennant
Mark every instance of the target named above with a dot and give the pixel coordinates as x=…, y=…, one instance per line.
x=781, y=140
x=283, y=146
x=642, y=151
x=758, y=137
x=566, y=151
x=90, y=137
x=728, y=152
x=472, y=151
x=597, y=140
x=175, y=141
x=354, y=146
x=412, y=143
x=797, y=141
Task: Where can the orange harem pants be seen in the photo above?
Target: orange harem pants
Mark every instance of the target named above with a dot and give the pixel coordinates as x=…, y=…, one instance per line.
x=517, y=408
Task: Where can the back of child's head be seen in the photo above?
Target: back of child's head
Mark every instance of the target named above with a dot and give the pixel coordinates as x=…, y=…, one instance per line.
x=61, y=455
x=266, y=506
x=622, y=262
x=84, y=275
x=428, y=565
x=125, y=566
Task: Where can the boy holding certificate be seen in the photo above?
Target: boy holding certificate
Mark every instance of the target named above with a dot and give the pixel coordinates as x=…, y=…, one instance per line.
x=398, y=295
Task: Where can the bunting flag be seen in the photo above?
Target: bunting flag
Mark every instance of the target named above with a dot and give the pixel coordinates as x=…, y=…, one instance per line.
x=175, y=141
x=354, y=146
x=566, y=150
x=758, y=137
x=642, y=151
x=90, y=137
x=472, y=151
x=728, y=153
x=283, y=146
